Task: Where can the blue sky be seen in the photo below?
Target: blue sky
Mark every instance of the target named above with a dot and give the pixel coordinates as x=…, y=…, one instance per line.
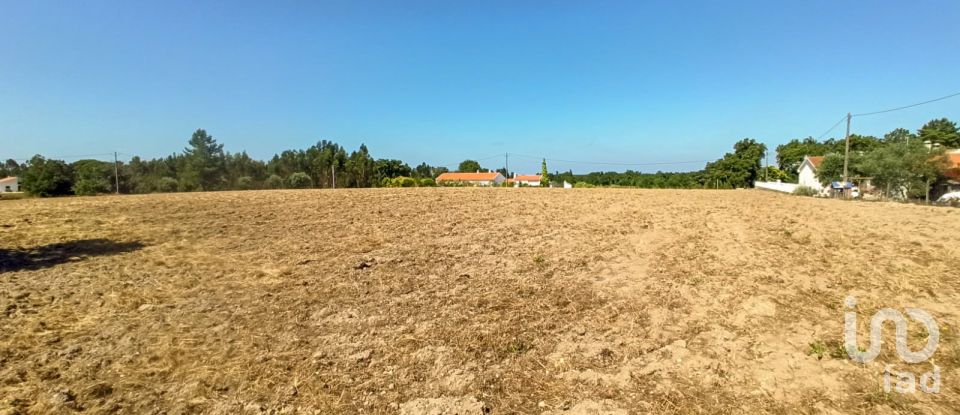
x=441, y=81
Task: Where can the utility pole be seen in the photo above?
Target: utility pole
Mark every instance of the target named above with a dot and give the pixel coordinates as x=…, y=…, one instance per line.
x=766, y=170
x=846, y=152
x=333, y=174
x=506, y=164
x=116, y=172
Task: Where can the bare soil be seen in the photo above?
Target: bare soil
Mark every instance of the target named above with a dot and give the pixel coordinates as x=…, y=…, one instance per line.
x=466, y=301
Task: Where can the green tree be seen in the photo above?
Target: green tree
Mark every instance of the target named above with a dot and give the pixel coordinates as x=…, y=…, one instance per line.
x=204, y=163
x=940, y=131
x=10, y=168
x=899, y=135
x=772, y=174
x=274, y=182
x=738, y=169
x=300, y=180
x=831, y=169
x=245, y=183
x=389, y=169
x=903, y=169
x=91, y=177
x=790, y=155
x=544, y=174
x=43, y=177
x=167, y=185
x=469, y=166
x=361, y=167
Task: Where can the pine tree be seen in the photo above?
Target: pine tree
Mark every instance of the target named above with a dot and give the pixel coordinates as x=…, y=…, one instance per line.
x=204, y=163
x=544, y=175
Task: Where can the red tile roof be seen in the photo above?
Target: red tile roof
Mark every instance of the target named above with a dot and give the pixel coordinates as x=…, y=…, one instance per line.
x=467, y=177
x=528, y=178
x=953, y=166
x=815, y=161
x=954, y=160
x=8, y=179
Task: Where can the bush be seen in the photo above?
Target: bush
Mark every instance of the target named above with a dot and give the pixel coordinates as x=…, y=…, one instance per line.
x=428, y=182
x=805, y=191
x=90, y=177
x=299, y=180
x=407, y=182
x=401, y=181
x=274, y=182
x=167, y=185
x=583, y=185
x=90, y=186
x=245, y=183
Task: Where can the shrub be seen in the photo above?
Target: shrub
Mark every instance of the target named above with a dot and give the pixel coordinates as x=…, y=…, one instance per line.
x=805, y=191
x=299, y=180
x=401, y=181
x=427, y=182
x=583, y=185
x=407, y=182
x=274, y=182
x=90, y=177
x=167, y=185
x=245, y=183
x=89, y=186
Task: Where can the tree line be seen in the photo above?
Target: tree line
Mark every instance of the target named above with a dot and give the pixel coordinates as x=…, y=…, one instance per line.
x=205, y=166
x=737, y=169
x=899, y=162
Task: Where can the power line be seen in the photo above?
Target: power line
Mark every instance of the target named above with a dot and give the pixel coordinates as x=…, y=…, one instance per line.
x=831, y=128
x=907, y=106
x=67, y=157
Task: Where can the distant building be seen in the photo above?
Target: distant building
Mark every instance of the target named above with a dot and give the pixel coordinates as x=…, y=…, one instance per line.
x=950, y=182
x=9, y=184
x=532, y=180
x=807, y=172
x=471, y=179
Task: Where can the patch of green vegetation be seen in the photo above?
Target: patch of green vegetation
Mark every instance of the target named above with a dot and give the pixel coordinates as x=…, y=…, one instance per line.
x=539, y=260
x=518, y=347
x=804, y=191
x=817, y=349
x=837, y=349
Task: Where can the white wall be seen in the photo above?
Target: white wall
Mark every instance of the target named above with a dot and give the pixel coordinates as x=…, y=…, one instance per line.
x=808, y=177
x=14, y=187
x=776, y=186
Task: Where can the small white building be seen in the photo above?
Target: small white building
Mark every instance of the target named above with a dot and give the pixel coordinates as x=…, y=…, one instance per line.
x=532, y=180
x=472, y=179
x=807, y=173
x=9, y=184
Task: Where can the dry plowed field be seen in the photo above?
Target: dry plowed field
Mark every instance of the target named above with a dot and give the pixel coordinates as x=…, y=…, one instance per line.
x=468, y=301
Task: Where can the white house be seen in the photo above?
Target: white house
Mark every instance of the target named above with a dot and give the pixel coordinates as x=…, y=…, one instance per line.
x=532, y=180
x=472, y=179
x=9, y=184
x=807, y=172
